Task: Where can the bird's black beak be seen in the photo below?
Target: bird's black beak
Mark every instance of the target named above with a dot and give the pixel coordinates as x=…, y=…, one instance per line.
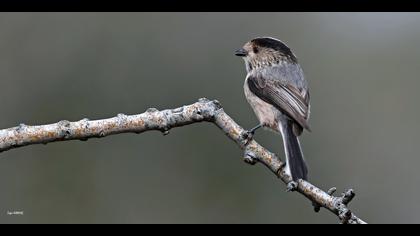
x=241, y=52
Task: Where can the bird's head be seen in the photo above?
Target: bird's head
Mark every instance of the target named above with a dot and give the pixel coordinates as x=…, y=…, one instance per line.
x=265, y=51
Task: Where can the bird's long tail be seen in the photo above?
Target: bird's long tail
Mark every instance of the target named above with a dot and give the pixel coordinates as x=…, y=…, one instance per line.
x=294, y=156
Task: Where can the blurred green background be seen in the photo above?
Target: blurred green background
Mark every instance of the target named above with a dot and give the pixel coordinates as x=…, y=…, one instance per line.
x=363, y=70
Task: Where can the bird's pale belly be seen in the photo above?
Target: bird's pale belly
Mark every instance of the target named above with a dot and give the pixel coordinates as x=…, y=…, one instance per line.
x=267, y=114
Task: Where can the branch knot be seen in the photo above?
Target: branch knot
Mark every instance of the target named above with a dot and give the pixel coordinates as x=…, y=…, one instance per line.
x=65, y=129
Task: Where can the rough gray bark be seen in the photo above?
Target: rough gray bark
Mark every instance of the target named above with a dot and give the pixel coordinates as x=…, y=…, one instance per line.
x=152, y=119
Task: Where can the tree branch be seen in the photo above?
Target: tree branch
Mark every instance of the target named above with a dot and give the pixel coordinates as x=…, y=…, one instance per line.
x=152, y=119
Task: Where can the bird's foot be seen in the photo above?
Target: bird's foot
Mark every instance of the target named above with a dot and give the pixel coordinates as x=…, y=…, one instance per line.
x=249, y=134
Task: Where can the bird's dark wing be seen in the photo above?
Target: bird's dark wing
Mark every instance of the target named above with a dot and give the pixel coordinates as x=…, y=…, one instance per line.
x=287, y=98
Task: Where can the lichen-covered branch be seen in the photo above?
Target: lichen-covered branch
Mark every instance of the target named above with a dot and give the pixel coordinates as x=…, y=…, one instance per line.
x=152, y=119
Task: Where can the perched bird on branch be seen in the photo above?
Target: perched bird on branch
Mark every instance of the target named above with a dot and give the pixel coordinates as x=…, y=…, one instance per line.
x=277, y=91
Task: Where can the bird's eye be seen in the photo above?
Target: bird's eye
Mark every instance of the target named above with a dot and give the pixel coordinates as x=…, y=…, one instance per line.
x=255, y=49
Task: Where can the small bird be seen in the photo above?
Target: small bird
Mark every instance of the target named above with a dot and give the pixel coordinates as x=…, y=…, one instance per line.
x=278, y=93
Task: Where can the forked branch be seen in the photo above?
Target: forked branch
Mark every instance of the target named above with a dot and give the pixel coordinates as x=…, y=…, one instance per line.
x=152, y=119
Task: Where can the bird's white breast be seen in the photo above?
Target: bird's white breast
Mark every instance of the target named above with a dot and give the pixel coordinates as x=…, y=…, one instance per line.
x=267, y=114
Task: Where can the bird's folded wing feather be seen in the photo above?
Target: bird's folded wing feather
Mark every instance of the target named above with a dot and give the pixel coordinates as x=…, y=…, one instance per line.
x=285, y=97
